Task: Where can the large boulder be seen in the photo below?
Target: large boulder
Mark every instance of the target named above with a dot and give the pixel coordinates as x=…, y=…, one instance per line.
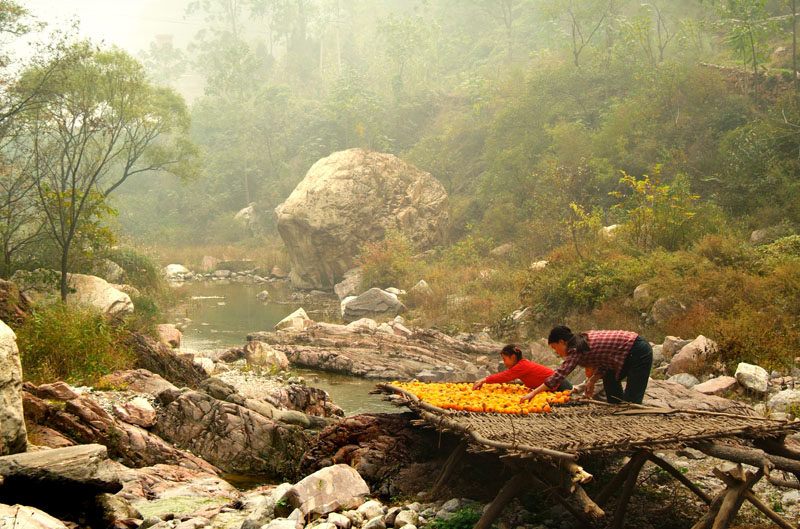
x=694, y=356
x=261, y=354
x=168, y=334
x=13, y=435
x=161, y=360
x=785, y=400
x=351, y=198
x=350, y=284
x=12, y=516
x=752, y=377
x=230, y=436
x=373, y=303
x=42, y=286
x=333, y=488
x=82, y=420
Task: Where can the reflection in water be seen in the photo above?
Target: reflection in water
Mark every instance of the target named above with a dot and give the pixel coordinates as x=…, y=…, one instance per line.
x=223, y=314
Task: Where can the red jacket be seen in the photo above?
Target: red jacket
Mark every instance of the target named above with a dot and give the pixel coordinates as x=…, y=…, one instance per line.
x=530, y=373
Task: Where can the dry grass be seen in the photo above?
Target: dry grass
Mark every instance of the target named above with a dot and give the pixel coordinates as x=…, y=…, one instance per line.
x=264, y=254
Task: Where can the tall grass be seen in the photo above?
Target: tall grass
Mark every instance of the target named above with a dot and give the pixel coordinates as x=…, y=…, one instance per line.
x=70, y=343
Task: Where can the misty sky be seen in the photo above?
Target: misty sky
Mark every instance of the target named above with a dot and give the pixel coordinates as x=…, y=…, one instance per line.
x=131, y=24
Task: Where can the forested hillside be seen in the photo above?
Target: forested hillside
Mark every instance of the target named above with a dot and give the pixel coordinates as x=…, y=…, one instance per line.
x=677, y=122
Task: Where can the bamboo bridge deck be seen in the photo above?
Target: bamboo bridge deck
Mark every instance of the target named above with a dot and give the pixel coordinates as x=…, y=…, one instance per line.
x=544, y=449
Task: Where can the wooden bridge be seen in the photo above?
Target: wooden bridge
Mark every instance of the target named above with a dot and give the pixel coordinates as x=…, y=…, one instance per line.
x=544, y=450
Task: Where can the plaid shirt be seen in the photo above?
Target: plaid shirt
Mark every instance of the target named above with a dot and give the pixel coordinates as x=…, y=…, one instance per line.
x=607, y=350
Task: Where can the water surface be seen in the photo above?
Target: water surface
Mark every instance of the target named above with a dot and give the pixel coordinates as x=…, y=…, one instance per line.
x=224, y=313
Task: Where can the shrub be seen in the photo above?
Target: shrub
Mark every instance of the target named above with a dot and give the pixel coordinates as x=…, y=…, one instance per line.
x=461, y=519
x=70, y=343
x=141, y=271
x=387, y=262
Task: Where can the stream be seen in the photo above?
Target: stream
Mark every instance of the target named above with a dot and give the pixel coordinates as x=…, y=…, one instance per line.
x=223, y=313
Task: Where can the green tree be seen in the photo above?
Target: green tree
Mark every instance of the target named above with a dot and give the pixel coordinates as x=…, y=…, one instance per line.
x=97, y=123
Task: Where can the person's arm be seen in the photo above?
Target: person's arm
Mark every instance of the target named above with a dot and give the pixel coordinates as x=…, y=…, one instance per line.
x=534, y=392
x=588, y=391
x=501, y=377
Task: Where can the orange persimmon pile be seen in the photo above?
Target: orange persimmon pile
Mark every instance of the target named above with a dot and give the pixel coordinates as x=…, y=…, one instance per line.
x=491, y=398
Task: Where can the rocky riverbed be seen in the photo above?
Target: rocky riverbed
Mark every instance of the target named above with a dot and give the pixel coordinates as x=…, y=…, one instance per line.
x=232, y=438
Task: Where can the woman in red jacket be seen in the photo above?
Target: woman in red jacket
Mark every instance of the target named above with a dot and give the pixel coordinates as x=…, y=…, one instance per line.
x=530, y=373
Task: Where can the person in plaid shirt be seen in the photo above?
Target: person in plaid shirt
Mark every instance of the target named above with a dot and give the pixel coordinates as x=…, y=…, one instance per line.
x=612, y=355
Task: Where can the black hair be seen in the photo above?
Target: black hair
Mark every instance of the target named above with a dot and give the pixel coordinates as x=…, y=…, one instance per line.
x=574, y=341
x=512, y=350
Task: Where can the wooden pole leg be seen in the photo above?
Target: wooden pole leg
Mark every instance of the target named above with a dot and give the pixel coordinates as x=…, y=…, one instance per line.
x=680, y=477
x=639, y=459
x=453, y=460
x=725, y=506
x=510, y=490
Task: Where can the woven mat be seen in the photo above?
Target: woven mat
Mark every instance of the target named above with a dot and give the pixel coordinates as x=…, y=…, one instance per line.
x=590, y=428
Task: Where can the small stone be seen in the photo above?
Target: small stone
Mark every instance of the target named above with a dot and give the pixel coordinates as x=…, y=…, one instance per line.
x=375, y=523
x=406, y=518
x=691, y=453
x=684, y=379
x=791, y=498
x=370, y=509
x=752, y=377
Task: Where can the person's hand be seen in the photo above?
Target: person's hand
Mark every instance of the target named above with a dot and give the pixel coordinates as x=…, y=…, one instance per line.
x=527, y=397
x=478, y=383
x=588, y=391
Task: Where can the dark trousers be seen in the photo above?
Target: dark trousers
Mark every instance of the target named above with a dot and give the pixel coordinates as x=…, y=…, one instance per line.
x=636, y=369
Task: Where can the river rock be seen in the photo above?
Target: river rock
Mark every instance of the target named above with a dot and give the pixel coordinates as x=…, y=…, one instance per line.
x=642, y=295
x=335, y=348
x=373, y=303
x=684, y=379
x=175, y=271
x=264, y=296
x=350, y=284
x=717, y=386
x=305, y=399
x=327, y=490
x=693, y=356
x=82, y=420
x=296, y=320
x=752, y=377
x=405, y=518
x=381, y=447
x=261, y=354
x=350, y=198
x=137, y=411
x=138, y=380
x=15, y=305
x=663, y=394
x=168, y=334
x=672, y=345
x=109, y=270
x=26, y=517
x=230, y=436
x=42, y=286
x=160, y=359
x=421, y=289
x=664, y=309
x=784, y=401
x=364, y=325
x=13, y=435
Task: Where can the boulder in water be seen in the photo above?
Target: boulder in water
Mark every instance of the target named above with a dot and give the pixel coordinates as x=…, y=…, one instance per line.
x=351, y=198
